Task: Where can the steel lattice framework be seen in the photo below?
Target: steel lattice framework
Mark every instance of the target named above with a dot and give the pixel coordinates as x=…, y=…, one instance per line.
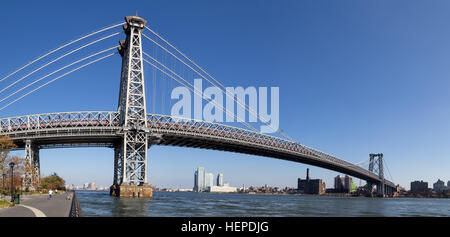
x=376, y=166
x=131, y=154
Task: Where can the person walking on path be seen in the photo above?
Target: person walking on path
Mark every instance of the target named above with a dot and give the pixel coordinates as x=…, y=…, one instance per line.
x=56, y=191
x=50, y=194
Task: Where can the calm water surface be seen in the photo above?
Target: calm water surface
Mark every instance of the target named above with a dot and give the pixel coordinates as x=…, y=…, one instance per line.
x=181, y=204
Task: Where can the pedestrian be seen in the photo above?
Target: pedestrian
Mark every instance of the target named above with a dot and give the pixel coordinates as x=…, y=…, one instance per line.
x=56, y=191
x=50, y=194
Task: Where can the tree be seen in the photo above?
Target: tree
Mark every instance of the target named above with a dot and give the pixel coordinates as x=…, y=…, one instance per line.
x=19, y=168
x=53, y=181
x=6, y=145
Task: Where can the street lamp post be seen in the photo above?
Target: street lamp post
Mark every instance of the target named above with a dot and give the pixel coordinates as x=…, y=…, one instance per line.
x=12, y=180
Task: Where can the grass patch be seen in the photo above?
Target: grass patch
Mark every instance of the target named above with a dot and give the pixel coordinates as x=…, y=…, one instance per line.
x=4, y=204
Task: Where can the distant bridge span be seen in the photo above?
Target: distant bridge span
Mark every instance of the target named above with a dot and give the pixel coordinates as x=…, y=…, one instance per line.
x=102, y=129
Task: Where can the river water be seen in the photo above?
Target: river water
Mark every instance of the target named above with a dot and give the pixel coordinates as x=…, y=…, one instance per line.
x=186, y=204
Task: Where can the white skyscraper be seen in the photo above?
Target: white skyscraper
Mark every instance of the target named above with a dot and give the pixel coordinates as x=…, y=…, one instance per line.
x=209, y=180
x=199, y=179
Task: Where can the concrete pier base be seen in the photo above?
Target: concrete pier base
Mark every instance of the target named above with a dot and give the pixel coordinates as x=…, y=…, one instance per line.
x=132, y=191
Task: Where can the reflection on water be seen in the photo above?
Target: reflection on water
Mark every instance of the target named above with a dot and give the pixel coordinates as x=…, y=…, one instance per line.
x=180, y=204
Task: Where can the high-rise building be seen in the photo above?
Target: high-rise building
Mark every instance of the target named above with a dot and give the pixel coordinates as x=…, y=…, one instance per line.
x=220, y=179
x=439, y=186
x=199, y=179
x=209, y=180
x=419, y=187
x=195, y=189
x=339, y=184
x=91, y=186
x=347, y=184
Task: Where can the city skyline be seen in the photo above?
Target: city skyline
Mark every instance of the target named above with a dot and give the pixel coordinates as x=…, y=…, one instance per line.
x=387, y=98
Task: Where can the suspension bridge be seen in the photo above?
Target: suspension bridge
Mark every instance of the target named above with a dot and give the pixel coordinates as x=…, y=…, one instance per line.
x=130, y=130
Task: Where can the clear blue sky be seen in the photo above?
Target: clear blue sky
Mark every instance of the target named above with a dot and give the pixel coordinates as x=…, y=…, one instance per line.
x=355, y=77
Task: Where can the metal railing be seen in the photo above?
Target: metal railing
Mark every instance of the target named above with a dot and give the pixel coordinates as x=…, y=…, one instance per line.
x=75, y=209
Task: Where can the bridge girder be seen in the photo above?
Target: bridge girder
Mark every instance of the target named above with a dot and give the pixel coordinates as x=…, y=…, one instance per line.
x=167, y=130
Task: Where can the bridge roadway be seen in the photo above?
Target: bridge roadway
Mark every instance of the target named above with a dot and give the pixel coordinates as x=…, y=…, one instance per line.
x=101, y=129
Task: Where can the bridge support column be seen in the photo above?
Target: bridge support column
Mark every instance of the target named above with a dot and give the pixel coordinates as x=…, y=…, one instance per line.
x=369, y=189
x=379, y=163
x=32, y=166
x=118, y=164
x=130, y=166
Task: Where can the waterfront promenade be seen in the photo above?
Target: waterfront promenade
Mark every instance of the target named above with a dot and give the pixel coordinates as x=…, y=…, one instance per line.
x=40, y=206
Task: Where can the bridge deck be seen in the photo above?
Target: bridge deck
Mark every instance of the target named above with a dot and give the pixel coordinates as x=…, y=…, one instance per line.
x=101, y=128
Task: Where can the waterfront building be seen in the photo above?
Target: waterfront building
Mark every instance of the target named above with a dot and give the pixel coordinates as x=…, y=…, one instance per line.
x=220, y=179
x=91, y=186
x=209, y=180
x=339, y=184
x=419, y=187
x=348, y=184
x=439, y=186
x=185, y=190
x=222, y=189
x=310, y=186
x=203, y=180
x=199, y=179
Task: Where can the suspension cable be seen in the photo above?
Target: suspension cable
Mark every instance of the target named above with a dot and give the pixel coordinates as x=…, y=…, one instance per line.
x=191, y=61
x=227, y=93
x=57, y=59
x=65, y=74
x=61, y=47
x=196, y=92
x=62, y=68
x=182, y=54
x=384, y=161
x=189, y=87
x=221, y=107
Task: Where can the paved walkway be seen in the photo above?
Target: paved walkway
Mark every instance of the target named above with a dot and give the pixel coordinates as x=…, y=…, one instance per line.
x=39, y=206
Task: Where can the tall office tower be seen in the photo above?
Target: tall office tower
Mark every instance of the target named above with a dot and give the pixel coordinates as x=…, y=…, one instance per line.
x=347, y=183
x=199, y=179
x=195, y=181
x=220, y=179
x=439, y=186
x=209, y=180
x=339, y=185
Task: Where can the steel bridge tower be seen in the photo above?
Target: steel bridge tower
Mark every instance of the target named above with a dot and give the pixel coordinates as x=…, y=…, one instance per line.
x=32, y=166
x=376, y=165
x=130, y=154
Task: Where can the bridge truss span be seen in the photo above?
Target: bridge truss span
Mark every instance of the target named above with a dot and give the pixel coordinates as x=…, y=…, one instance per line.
x=101, y=129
